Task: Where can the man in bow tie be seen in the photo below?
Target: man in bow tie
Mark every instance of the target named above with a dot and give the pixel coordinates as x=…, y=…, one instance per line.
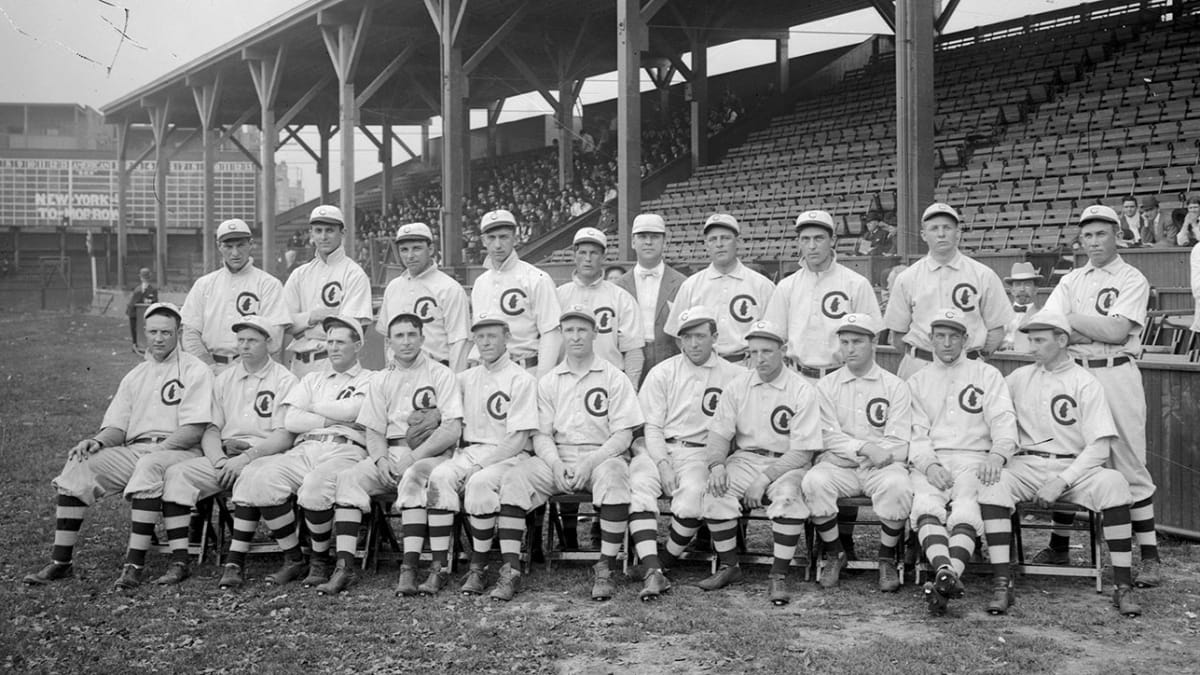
x=1022, y=284
x=653, y=283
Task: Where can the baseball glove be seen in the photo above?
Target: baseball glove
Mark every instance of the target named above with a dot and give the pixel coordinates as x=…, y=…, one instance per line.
x=421, y=425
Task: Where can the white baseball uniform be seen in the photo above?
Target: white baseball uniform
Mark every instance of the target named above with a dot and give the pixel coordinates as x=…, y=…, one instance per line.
x=737, y=299
x=334, y=283
x=618, y=319
x=438, y=299
x=525, y=296
x=221, y=298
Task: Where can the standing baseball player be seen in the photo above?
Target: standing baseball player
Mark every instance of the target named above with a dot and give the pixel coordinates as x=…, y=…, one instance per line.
x=587, y=411
x=331, y=284
x=522, y=293
x=945, y=277
x=431, y=294
x=618, y=318
x=164, y=403
x=143, y=294
x=775, y=419
x=222, y=298
x=679, y=398
x=734, y=293
x=866, y=422
x=412, y=416
x=1023, y=282
x=318, y=426
x=1064, y=435
x=1106, y=303
x=246, y=424
x=654, y=284
x=962, y=417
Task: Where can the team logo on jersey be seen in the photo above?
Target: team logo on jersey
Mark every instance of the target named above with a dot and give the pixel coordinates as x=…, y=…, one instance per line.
x=970, y=399
x=424, y=307
x=708, y=402
x=247, y=303
x=1105, y=299
x=604, y=319
x=424, y=399
x=346, y=393
x=264, y=404
x=331, y=294
x=781, y=419
x=497, y=406
x=171, y=392
x=595, y=401
x=964, y=297
x=1063, y=409
x=741, y=308
x=835, y=304
x=512, y=301
x=877, y=412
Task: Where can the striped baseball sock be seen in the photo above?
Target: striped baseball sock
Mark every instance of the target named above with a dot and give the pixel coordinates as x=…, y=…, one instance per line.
x=1060, y=536
x=281, y=520
x=143, y=516
x=483, y=530
x=827, y=529
x=997, y=527
x=1142, y=515
x=643, y=530
x=962, y=545
x=786, y=533
x=245, y=522
x=1118, y=533
x=682, y=531
x=441, y=526
x=724, y=539
x=414, y=523
x=614, y=518
x=890, y=532
x=176, y=518
x=68, y=518
x=934, y=541
x=511, y=530
x=346, y=521
x=320, y=531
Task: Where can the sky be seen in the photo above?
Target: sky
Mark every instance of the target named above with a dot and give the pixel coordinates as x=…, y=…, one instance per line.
x=94, y=51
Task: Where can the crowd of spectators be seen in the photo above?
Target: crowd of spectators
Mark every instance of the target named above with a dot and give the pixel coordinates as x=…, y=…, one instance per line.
x=1150, y=225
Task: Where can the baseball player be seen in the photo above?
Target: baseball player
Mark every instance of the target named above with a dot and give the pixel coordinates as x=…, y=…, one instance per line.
x=736, y=294
x=962, y=416
x=587, y=411
x=220, y=299
x=1023, y=282
x=866, y=423
x=431, y=294
x=773, y=415
x=945, y=277
x=331, y=284
x=1106, y=303
x=679, y=398
x=318, y=425
x=618, y=319
x=246, y=424
x=410, y=397
x=654, y=284
x=162, y=404
x=522, y=293
x=1065, y=432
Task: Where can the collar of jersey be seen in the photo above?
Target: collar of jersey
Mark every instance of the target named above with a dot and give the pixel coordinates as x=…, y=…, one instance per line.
x=873, y=374
x=779, y=382
x=595, y=284
x=245, y=268
x=833, y=263
x=428, y=270
x=563, y=369
x=500, y=364
x=417, y=363
x=171, y=358
x=738, y=271
x=261, y=374
x=1066, y=365
x=508, y=263
x=335, y=256
x=352, y=371
x=1111, y=268
x=955, y=263
x=962, y=358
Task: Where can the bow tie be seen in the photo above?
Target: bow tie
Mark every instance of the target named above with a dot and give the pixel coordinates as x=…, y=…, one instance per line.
x=647, y=274
x=1020, y=308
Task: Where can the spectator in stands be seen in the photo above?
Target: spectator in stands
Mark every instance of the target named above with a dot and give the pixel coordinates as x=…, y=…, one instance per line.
x=1022, y=285
x=1189, y=232
x=877, y=239
x=1131, y=224
x=1194, y=261
x=1152, y=221
x=613, y=272
x=1172, y=229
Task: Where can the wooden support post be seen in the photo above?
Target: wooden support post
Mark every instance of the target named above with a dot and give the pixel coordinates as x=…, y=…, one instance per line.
x=122, y=200
x=915, y=107
x=631, y=42
x=344, y=35
x=160, y=118
x=699, y=101
x=207, y=94
x=266, y=69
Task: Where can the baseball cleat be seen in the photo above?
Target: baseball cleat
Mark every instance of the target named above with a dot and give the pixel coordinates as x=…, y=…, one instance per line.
x=948, y=584
x=231, y=577
x=289, y=572
x=727, y=574
x=666, y=561
x=131, y=578
x=655, y=585
x=475, y=582
x=934, y=599
x=407, y=585
x=1003, y=596
x=339, y=581
x=889, y=576
x=434, y=582
x=318, y=571
x=507, y=584
x=1050, y=556
x=55, y=571
x=176, y=573
x=777, y=590
x=602, y=587
x=1149, y=573
x=832, y=571
x=1124, y=602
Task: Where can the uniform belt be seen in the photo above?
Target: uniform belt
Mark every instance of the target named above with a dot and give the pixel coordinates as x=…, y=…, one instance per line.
x=525, y=361
x=1045, y=455
x=147, y=439
x=309, y=357
x=222, y=359
x=817, y=373
x=398, y=442
x=332, y=438
x=735, y=358
x=1104, y=363
x=686, y=444
x=764, y=453
x=926, y=355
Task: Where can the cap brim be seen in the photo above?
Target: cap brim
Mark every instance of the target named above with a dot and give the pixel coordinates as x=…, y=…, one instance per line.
x=1039, y=325
x=1023, y=277
x=577, y=315
x=692, y=323
x=591, y=241
x=484, y=323
x=814, y=223
x=414, y=237
x=343, y=323
x=764, y=336
x=947, y=324
x=242, y=325
x=861, y=330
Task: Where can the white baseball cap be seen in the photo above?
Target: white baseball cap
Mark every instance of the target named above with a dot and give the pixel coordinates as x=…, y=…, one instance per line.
x=163, y=308
x=864, y=324
x=1047, y=320
x=414, y=231
x=488, y=319
x=940, y=209
x=949, y=317
x=590, y=235
x=766, y=329
x=256, y=322
x=815, y=218
x=578, y=312
x=343, y=322
x=234, y=228
x=498, y=218
x=1098, y=212
x=722, y=220
x=650, y=223
x=694, y=316
x=327, y=214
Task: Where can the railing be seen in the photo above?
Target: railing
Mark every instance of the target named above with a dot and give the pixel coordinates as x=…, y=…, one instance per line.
x=1055, y=19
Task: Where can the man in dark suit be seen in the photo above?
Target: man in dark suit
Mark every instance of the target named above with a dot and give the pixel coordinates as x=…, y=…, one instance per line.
x=654, y=284
x=143, y=294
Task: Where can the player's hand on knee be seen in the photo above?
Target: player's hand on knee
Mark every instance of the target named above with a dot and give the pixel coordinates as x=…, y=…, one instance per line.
x=989, y=471
x=718, y=480
x=1051, y=491
x=753, y=497
x=563, y=476
x=939, y=477
x=666, y=477
x=874, y=456
x=83, y=449
x=399, y=466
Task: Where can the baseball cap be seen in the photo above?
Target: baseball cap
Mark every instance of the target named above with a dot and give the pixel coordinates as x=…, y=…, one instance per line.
x=1101, y=212
x=590, y=235
x=1023, y=271
x=163, y=308
x=498, y=218
x=234, y=228
x=1047, y=320
x=256, y=322
x=722, y=220
x=819, y=219
x=414, y=231
x=938, y=208
x=578, y=312
x=651, y=223
x=694, y=316
x=486, y=319
x=343, y=322
x=327, y=214
x=864, y=324
x=765, y=329
x=949, y=317
x=409, y=316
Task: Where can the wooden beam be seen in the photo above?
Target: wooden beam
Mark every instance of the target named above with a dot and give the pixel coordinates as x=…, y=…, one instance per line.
x=404, y=146
x=435, y=13
x=423, y=93
x=389, y=71
x=945, y=16
x=249, y=155
x=302, y=103
x=269, y=71
x=371, y=137
x=496, y=37
x=887, y=11
x=183, y=144
x=458, y=21
x=651, y=8
x=294, y=134
x=530, y=77
x=232, y=128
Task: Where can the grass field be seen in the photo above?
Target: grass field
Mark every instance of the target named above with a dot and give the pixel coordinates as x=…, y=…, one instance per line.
x=55, y=379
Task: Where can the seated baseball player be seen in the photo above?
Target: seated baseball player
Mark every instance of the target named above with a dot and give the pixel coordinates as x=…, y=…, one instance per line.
x=866, y=421
x=318, y=418
x=246, y=424
x=587, y=413
x=1064, y=434
x=412, y=416
x=678, y=398
x=773, y=415
x=962, y=415
x=164, y=403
